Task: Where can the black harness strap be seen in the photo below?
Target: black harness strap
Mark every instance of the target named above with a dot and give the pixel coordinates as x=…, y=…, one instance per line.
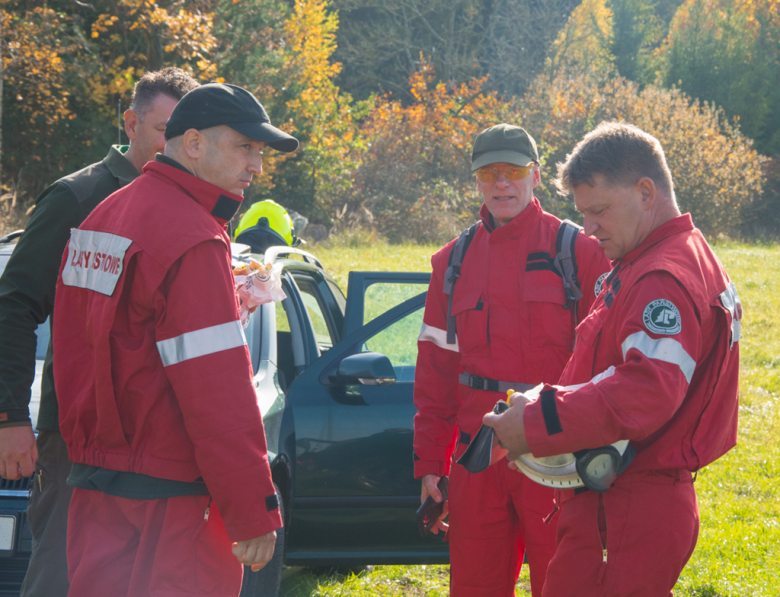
x=453, y=273
x=564, y=264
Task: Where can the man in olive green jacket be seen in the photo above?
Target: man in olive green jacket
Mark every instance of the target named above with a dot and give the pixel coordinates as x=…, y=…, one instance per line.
x=27, y=299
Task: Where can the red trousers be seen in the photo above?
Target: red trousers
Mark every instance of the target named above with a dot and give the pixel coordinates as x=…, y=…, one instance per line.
x=495, y=516
x=648, y=522
x=148, y=548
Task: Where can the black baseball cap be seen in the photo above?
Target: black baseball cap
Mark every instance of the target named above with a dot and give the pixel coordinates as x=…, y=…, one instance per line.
x=215, y=104
x=503, y=143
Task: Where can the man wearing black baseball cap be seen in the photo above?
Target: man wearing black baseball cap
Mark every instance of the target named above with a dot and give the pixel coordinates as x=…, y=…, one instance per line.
x=218, y=104
x=507, y=324
x=172, y=486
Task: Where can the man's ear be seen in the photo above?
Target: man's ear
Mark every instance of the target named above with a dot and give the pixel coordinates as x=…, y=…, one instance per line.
x=649, y=192
x=537, y=173
x=132, y=121
x=193, y=143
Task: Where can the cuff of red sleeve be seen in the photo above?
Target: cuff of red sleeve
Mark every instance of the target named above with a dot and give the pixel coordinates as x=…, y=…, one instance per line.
x=430, y=467
x=251, y=529
x=542, y=424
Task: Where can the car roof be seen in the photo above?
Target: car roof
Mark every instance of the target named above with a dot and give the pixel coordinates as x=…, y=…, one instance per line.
x=282, y=255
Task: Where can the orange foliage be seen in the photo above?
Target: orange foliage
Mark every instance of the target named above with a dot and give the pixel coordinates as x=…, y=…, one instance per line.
x=185, y=34
x=32, y=64
x=415, y=173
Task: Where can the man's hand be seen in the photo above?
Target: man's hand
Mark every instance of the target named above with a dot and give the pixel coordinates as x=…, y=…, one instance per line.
x=256, y=552
x=430, y=487
x=509, y=426
x=18, y=452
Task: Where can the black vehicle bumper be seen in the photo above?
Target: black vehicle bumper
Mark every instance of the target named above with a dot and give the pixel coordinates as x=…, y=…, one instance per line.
x=15, y=537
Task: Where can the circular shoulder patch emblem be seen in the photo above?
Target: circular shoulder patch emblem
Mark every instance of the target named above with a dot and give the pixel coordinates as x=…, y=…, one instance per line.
x=662, y=317
x=600, y=283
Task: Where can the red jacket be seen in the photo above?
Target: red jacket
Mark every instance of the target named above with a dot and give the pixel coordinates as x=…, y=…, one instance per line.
x=153, y=372
x=663, y=335
x=511, y=326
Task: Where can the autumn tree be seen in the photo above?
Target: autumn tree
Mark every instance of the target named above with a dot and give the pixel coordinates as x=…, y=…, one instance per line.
x=728, y=51
x=415, y=181
x=70, y=68
x=380, y=44
x=307, y=103
x=637, y=31
x=584, y=45
x=717, y=173
x=32, y=75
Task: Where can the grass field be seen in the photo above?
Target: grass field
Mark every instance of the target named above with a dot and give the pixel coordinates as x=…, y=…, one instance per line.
x=738, y=553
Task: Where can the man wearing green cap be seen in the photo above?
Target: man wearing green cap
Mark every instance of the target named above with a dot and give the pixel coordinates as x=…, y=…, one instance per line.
x=508, y=323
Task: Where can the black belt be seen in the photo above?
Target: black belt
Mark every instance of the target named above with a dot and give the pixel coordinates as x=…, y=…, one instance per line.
x=493, y=385
x=135, y=486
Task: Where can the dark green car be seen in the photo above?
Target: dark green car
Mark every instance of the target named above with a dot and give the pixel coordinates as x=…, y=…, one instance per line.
x=334, y=378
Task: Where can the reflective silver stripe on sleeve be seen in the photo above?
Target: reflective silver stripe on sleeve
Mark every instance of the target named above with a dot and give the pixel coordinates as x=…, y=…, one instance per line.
x=437, y=336
x=730, y=300
x=663, y=349
x=601, y=376
x=201, y=342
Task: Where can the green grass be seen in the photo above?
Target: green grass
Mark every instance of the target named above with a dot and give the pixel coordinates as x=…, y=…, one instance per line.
x=738, y=552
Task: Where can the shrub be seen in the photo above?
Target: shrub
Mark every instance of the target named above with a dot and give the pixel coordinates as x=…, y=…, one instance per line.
x=415, y=181
x=716, y=171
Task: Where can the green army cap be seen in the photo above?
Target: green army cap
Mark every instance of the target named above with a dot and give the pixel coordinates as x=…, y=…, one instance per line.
x=503, y=143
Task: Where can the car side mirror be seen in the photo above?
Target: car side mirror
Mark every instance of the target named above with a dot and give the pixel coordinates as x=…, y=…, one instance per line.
x=368, y=368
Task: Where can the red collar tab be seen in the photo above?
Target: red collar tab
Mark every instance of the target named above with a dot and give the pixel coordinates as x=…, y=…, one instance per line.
x=682, y=223
x=519, y=224
x=220, y=204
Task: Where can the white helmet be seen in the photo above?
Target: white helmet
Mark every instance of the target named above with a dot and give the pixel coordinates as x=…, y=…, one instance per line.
x=595, y=468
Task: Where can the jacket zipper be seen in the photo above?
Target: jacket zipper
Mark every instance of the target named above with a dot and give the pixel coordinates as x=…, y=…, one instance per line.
x=205, y=520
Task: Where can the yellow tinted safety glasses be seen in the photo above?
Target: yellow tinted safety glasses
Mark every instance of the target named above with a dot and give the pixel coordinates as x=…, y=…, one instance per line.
x=490, y=173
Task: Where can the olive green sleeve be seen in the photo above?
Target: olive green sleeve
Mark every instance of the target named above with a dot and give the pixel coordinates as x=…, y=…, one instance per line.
x=27, y=296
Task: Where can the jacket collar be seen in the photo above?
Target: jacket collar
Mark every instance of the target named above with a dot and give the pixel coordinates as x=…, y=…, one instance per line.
x=120, y=167
x=682, y=223
x=219, y=203
x=518, y=226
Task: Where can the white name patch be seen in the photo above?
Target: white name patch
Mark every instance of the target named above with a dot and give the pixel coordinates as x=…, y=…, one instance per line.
x=95, y=260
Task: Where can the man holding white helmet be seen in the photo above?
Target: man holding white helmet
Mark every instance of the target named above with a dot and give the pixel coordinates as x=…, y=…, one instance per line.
x=508, y=322
x=656, y=362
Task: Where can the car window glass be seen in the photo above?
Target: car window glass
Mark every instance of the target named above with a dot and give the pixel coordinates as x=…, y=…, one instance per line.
x=282, y=323
x=321, y=332
x=381, y=297
x=338, y=295
x=398, y=342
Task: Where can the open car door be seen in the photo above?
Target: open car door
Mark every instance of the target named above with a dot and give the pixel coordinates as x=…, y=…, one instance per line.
x=354, y=495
